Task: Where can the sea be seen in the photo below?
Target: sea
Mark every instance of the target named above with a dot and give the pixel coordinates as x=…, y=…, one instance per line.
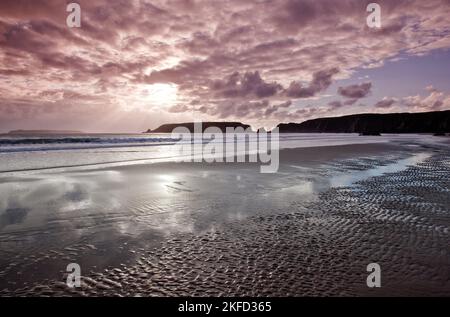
x=31, y=152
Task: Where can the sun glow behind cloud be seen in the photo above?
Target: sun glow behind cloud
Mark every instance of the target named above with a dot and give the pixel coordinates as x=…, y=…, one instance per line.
x=160, y=95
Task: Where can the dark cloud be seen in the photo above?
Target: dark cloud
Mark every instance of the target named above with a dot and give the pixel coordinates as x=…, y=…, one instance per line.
x=355, y=91
x=321, y=81
x=244, y=85
x=385, y=103
x=335, y=104
x=350, y=102
x=273, y=109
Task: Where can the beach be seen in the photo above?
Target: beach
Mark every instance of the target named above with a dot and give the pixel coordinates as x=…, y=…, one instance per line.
x=163, y=228
x=266, y=150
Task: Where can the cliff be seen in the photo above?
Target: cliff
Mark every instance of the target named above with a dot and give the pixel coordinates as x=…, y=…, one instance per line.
x=424, y=122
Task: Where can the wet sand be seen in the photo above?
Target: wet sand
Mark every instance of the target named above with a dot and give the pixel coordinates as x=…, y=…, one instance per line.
x=225, y=230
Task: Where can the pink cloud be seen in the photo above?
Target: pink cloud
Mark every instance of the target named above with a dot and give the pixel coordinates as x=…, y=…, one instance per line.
x=239, y=59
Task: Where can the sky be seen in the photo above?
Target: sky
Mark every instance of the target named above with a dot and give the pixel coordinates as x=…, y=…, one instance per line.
x=136, y=64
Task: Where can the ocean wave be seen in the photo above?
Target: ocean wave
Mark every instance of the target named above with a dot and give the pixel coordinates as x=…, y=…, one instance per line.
x=91, y=140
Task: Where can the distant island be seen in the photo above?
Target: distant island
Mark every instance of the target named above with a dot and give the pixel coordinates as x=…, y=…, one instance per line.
x=168, y=128
x=27, y=132
x=437, y=122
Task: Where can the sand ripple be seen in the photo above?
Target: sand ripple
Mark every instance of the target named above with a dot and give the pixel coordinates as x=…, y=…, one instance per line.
x=399, y=220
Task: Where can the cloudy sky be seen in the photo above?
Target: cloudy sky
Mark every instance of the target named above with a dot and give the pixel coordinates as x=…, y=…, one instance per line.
x=134, y=65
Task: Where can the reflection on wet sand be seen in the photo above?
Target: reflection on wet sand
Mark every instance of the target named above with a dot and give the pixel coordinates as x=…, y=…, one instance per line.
x=109, y=217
